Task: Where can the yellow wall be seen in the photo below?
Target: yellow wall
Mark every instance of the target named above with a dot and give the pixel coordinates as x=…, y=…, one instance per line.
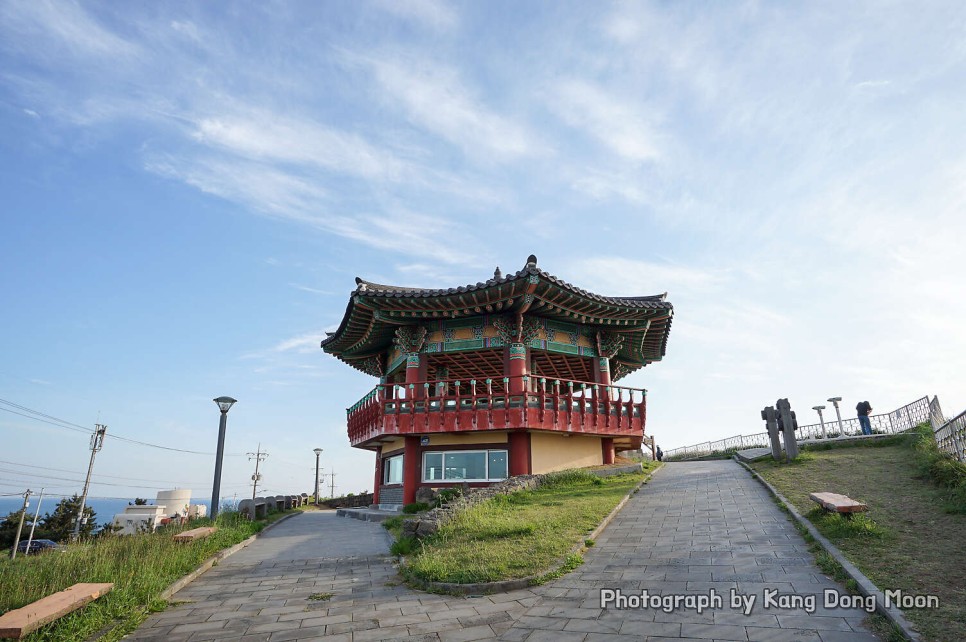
x=452, y=439
x=550, y=452
x=458, y=439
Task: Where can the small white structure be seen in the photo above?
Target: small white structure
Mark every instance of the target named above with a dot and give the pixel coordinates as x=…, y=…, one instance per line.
x=169, y=505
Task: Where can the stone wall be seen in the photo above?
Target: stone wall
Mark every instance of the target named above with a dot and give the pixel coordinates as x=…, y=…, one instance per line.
x=429, y=522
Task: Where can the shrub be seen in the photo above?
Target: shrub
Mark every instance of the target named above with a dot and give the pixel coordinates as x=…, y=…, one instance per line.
x=404, y=546
x=415, y=507
x=567, y=478
x=447, y=495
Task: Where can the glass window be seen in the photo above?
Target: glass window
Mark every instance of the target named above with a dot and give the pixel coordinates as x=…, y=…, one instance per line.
x=469, y=465
x=393, y=470
x=497, y=464
x=433, y=467
x=465, y=465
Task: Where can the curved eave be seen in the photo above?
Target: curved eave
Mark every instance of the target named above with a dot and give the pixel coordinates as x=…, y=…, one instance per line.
x=374, y=311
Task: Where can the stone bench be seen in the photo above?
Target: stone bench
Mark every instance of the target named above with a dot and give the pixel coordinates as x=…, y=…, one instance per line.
x=19, y=622
x=195, y=533
x=838, y=503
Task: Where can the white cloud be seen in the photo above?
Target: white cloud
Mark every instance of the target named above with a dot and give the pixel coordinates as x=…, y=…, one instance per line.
x=270, y=136
x=435, y=98
x=625, y=128
x=434, y=14
x=49, y=29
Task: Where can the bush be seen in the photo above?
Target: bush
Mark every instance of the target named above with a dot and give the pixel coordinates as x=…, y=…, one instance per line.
x=567, y=478
x=415, y=507
x=404, y=546
x=447, y=495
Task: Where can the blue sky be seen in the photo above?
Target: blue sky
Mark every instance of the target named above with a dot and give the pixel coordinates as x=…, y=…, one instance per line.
x=189, y=189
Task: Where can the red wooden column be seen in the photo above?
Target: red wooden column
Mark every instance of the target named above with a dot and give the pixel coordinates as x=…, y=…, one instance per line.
x=410, y=468
x=607, y=449
x=378, y=482
x=603, y=371
x=412, y=374
x=603, y=380
x=518, y=438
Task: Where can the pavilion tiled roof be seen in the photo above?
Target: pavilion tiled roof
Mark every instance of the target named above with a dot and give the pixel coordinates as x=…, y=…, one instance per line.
x=375, y=310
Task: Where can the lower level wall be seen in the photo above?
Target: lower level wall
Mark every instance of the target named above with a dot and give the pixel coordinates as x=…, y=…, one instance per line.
x=391, y=494
x=550, y=452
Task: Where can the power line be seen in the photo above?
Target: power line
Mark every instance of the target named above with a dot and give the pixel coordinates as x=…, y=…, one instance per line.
x=61, y=470
x=67, y=425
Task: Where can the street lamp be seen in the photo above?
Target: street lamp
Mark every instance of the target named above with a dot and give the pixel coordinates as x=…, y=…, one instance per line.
x=835, y=402
x=821, y=419
x=317, y=451
x=224, y=405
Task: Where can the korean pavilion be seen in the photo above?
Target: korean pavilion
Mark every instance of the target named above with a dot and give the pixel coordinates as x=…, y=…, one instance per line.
x=508, y=377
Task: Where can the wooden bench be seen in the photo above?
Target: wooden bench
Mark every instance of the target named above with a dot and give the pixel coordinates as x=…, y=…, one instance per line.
x=19, y=622
x=195, y=533
x=838, y=503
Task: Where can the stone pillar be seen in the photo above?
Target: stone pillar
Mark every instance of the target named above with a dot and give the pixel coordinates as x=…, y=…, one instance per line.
x=770, y=415
x=607, y=447
x=411, y=465
x=519, y=455
x=375, y=487
x=788, y=427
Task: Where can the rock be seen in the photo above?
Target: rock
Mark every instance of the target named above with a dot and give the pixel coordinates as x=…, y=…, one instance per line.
x=426, y=495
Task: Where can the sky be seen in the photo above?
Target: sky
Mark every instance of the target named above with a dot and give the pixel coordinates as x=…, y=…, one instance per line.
x=188, y=190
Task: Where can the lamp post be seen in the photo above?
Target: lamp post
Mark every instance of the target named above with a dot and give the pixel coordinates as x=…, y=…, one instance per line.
x=317, y=451
x=224, y=405
x=835, y=402
x=821, y=419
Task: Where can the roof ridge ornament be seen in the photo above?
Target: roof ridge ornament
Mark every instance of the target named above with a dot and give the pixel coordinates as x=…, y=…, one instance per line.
x=532, y=260
x=497, y=274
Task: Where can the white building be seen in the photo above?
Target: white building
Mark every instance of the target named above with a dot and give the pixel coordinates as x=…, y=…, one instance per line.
x=168, y=506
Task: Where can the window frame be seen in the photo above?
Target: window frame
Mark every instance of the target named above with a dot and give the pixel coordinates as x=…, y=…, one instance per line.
x=387, y=466
x=486, y=459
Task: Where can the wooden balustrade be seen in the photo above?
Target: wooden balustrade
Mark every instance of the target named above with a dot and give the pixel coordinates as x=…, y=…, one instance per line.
x=461, y=406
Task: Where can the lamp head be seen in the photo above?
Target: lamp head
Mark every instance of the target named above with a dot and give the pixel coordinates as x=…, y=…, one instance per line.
x=317, y=451
x=835, y=399
x=818, y=407
x=225, y=403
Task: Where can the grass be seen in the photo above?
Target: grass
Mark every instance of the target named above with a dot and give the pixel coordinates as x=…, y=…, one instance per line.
x=523, y=534
x=140, y=566
x=911, y=537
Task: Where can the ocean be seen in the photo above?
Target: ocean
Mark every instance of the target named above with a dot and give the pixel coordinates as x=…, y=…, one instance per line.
x=104, y=509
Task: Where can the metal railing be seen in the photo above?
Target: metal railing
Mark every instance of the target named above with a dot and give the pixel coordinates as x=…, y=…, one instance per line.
x=899, y=420
x=950, y=435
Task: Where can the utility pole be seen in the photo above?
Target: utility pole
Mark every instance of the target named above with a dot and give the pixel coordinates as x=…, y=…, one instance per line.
x=23, y=512
x=40, y=501
x=97, y=442
x=258, y=456
x=332, y=485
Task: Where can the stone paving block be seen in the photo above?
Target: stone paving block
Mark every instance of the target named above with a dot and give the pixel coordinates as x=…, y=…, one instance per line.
x=759, y=634
x=814, y=622
x=541, y=635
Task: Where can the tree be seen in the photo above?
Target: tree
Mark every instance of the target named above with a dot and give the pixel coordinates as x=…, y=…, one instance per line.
x=59, y=525
x=8, y=528
x=138, y=501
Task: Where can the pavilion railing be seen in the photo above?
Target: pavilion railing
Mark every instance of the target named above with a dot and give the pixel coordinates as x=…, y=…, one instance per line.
x=899, y=420
x=455, y=405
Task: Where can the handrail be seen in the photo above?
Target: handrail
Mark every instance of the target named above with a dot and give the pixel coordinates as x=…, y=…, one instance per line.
x=453, y=405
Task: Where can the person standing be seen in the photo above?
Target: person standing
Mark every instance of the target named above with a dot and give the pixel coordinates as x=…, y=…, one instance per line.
x=660, y=454
x=864, y=409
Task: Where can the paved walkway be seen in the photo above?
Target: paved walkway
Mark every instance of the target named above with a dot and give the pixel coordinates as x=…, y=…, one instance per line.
x=695, y=528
